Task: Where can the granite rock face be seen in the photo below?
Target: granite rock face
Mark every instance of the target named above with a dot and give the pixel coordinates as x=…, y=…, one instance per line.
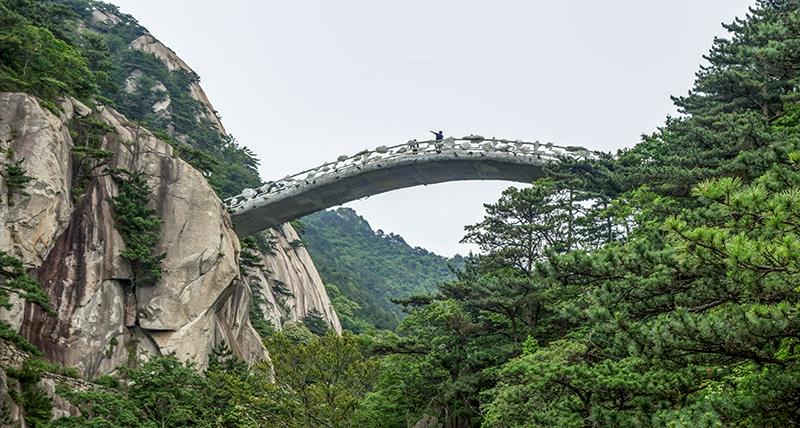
x=149, y=44
x=102, y=322
x=72, y=246
x=289, y=284
x=288, y=264
x=31, y=134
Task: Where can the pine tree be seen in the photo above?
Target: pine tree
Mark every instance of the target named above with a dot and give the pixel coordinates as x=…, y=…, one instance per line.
x=223, y=359
x=15, y=281
x=16, y=177
x=316, y=322
x=139, y=226
x=524, y=222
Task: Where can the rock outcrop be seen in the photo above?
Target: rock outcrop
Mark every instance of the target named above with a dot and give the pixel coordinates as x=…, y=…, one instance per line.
x=102, y=322
x=71, y=245
x=149, y=44
x=31, y=223
x=289, y=284
x=288, y=264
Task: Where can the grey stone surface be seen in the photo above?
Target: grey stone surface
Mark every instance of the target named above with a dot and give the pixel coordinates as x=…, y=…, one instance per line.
x=389, y=168
x=290, y=267
x=75, y=251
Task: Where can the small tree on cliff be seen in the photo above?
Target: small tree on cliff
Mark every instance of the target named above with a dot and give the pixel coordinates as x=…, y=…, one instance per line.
x=316, y=323
x=15, y=176
x=140, y=227
x=15, y=281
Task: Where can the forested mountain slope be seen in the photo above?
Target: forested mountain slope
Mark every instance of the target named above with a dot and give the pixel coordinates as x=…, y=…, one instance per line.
x=370, y=267
x=657, y=287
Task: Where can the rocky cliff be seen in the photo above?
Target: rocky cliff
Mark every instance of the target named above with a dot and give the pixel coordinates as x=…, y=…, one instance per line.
x=289, y=264
x=288, y=283
x=67, y=236
x=150, y=45
x=74, y=249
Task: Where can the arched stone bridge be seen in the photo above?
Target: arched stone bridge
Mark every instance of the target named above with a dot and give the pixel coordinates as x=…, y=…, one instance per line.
x=388, y=168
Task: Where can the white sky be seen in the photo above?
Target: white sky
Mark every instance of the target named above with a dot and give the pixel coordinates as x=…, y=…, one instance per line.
x=303, y=81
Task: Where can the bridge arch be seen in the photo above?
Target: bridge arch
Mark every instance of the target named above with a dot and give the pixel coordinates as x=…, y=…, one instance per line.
x=371, y=172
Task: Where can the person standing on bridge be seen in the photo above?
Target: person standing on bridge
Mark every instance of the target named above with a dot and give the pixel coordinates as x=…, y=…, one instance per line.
x=439, y=138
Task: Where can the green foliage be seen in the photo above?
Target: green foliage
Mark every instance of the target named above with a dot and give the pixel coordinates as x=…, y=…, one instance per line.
x=6, y=416
x=35, y=401
x=199, y=159
x=258, y=319
x=452, y=342
x=163, y=392
x=43, y=53
x=249, y=257
x=265, y=242
x=228, y=166
x=316, y=383
x=525, y=222
x=346, y=310
x=223, y=359
x=139, y=226
x=297, y=332
x=89, y=158
x=397, y=400
x=57, y=17
x=15, y=176
x=316, y=323
x=102, y=408
x=30, y=396
x=34, y=368
x=370, y=268
x=107, y=381
x=706, y=321
x=34, y=60
x=660, y=287
x=181, y=405
x=15, y=281
x=9, y=333
x=657, y=288
x=328, y=376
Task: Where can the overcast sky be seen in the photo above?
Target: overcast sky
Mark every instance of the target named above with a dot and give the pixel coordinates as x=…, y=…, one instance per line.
x=301, y=82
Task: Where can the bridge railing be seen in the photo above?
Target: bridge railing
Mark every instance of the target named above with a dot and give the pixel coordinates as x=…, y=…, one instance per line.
x=470, y=145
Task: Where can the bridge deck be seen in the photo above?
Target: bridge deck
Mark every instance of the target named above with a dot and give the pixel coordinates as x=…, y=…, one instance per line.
x=391, y=168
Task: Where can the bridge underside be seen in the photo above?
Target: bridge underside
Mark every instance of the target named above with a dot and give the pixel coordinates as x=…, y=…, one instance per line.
x=332, y=191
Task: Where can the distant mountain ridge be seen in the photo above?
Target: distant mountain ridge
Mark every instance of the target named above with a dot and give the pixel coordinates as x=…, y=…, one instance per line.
x=364, y=268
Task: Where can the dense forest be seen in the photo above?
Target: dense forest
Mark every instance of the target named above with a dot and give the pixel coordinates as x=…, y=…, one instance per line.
x=659, y=286
x=369, y=268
